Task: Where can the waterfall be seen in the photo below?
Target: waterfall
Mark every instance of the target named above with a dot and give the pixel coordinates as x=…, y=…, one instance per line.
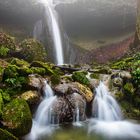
x=51, y=17
x=108, y=118
x=43, y=117
x=105, y=105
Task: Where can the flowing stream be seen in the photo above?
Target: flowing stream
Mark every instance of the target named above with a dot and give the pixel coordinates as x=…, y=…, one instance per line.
x=108, y=119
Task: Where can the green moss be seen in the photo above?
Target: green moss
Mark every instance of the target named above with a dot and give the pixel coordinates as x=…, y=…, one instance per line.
x=19, y=63
x=129, y=89
x=37, y=70
x=46, y=66
x=5, y=135
x=80, y=77
x=32, y=50
x=95, y=76
x=10, y=72
x=17, y=117
x=55, y=79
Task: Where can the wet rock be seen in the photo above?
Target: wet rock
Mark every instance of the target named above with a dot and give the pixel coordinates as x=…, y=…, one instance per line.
x=36, y=81
x=65, y=108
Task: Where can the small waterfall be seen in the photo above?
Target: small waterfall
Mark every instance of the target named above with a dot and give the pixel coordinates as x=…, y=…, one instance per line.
x=105, y=106
x=43, y=117
x=108, y=118
x=52, y=20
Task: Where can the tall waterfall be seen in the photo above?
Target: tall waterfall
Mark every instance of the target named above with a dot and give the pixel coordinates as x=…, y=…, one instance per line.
x=108, y=118
x=43, y=117
x=54, y=29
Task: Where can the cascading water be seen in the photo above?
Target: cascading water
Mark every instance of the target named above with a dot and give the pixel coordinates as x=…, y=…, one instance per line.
x=43, y=117
x=108, y=118
x=52, y=20
x=105, y=106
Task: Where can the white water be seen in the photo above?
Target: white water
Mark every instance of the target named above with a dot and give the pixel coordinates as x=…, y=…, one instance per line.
x=52, y=20
x=108, y=120
x=43, y=120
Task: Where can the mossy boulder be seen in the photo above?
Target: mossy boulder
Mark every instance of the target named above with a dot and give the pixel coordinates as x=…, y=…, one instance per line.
x=32, y=50
x=94, y=76
x=19, y=62
x=48, y=67
x=5, y=135
x=129, y=89
x=32, y=97
x=80, y=77
x=17, y=117
x=7, y=44
x=38, y=70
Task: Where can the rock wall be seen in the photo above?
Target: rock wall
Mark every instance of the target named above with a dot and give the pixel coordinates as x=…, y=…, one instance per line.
x=137, y=38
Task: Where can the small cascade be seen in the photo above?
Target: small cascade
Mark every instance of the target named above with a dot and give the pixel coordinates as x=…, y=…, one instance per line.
x=77, y=116
x=108, y=118
x=43, y=117
x=105, y=106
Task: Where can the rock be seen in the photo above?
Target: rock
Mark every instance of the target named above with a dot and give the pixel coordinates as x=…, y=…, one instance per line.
x=36, y=81
x=65, y=108
x=32, y=50
x=32, y=97
x=5, y=135
x=85, y=92
x=129, y=89
x=117, y=82
x=70, y=88
x=94, y=83
x=17, y=117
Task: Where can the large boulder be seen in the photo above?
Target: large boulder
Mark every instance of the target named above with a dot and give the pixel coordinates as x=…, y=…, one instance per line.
x=17, y=117
x=32, y=50
x=70, y=88
x=67, y=108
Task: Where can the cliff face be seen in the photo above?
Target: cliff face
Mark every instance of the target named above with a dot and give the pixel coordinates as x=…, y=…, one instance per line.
x=137, y=38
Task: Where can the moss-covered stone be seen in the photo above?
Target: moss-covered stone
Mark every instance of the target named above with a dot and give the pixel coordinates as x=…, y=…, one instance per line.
x=55, y=79
x=80, y=77
x=19, y=62
x=46, y=66
x=17, y=117
x=32, y=97
x=95, y=76
x=7, y=44
x=5, y=135
x=129, y=89
x=37, y=70
x=32, y=50
x=84, y=91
